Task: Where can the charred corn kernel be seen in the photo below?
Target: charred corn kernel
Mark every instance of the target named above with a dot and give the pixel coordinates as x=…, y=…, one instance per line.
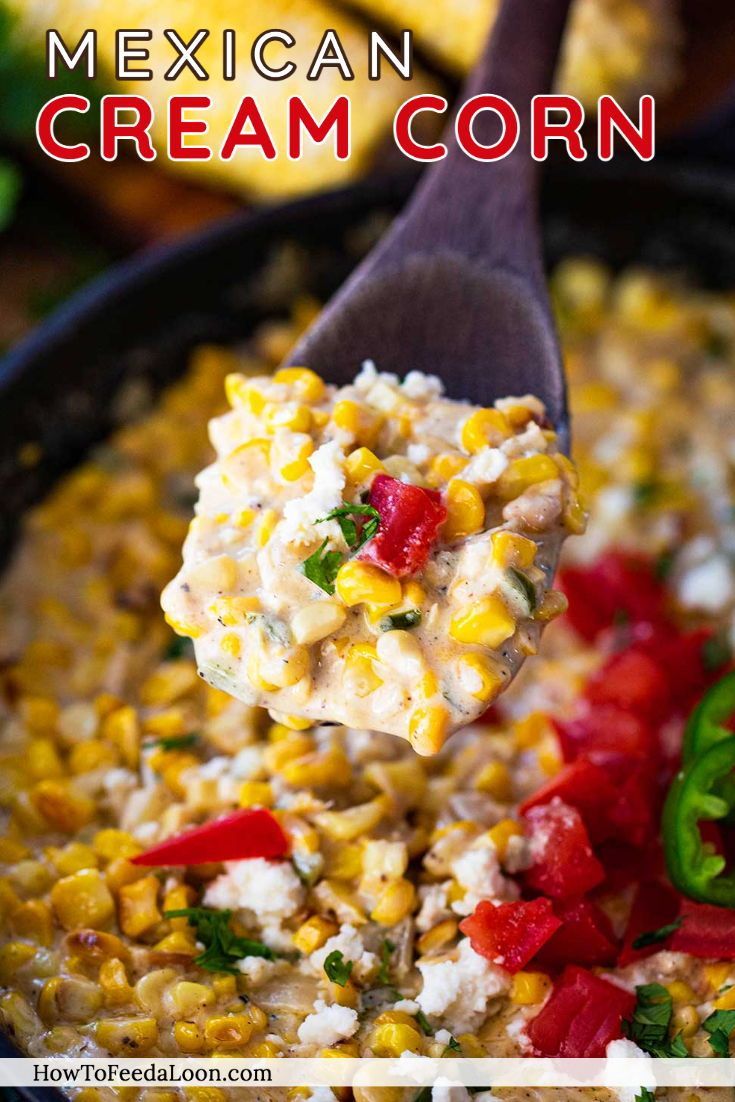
x=82, y=899
x=13, y=956
x=228, y=1032
x=444, y=467
x=359, y=675
x=224, y=986
x=529, y=988
x=316, y=621
x=72, y=857
x=345, y=826
x=510, y=549
x=189, y=1037
x=362, y=464
x=358, y=582
x=241, y=394
x=524, y=472
x=494, y=779
x=126, y=1036
x=553, y=604
x=345, y=863
x=42, y=759
x=428, y=726
x=93, y=946
x=306, y=383
x=393, y=1038
x=21, y=1021
x=234, y=611
x=138, y=906
x=465, y=511
x=185, y=999
x=479, y=676
x=113, y=979
x=330, y=767
x=111, y=843
x=681, y=992
x=32, y=920
x=487, y=622
x=62, y=808
x=69, y=998
x=255, y=794
x=121, y=871
x=395, y=903
x=313, y=933
x=290, y=746
x=717, y=975
x=438, y=937
x=230, y=643
x=501, y=834
x=685, y=1021
x=726, y=1001
x=484, y=428
x=287, y=415
x=181, y=942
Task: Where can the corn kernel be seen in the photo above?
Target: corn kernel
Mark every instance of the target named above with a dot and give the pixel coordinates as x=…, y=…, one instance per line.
x=126, y=1036
x=428, y=726
x=717, y=975
x=241, y=394
x=298, y=465
x=111, y=843
x=345, y=826
x=361, y=423
x=553, y=604
x=685, y=1021
x=313, y=933
x=294, y=723
x=330, y=767
x=234, y=611
x=725, y=1001
x=316, y=621
x=438, y=937
x=361, y=465
x=255, y=794
x=13, y=955
x=487, y=622
x=138, y=907
x=62, y=808
x=32, y=920
x=529, y=988
x=444, y=467
x=230, y=644
x=188, y=1037
x=290, y=746
x=114, y=983
x=228, y=1032
x=480, y=677
x=681, y=992
x=465, y=511
x=359, y=674
x=395, y=903
x=187, y=998
x=358, y=582
x=268, y=522
x=484, y=428
x=393, y=1038
x=42, y=759
x=501, y=834
x=82, y=899
x=345, y=863
x=307, y=384
x=287, y=415
x=494, y=779
x=524, y=472
x=510, y=549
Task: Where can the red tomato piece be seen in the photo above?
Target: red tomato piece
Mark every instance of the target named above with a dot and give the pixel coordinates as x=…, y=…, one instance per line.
x=510, y=934
x=582, y=1016
x=251, y=832
x=706, y=932
x=631, y=681
x=615, y=584
x=655, y=905
x=581, y=785
x=585, y=937
x=604, y=733
x=564, y=864
x=410, y=519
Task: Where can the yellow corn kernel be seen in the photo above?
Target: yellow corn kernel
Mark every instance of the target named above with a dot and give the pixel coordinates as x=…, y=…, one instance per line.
x=187, y=998
x=685, y=1021
x=187, y=630
x=88, y=756
x=169, y=683
x=224, y=986
x=13, y=955
x=395, y=903
x=111, y=843
x=362, y=464
x=361, y=423
x=529, y=988
x=72, y=857
x=717, y=975
x=12, y=851
x=316, y=621
x=241, y=394
x=205, y=1094
x=359, y=672
x=293, y=723
x=501, y=834
x=63, y=809
x=188, y=1037
x=343, y=995
x=575, y=515
x=484, y=428
x=525, y=472
x=330, y=767
x=438, y=937
x=307, y=384
x=42, y=759
x=345, y=862
x=510, y=549
x=82, y=899
x=487, y=622
x=681, y=992
x=32, y=920
x=345, y=826
x=255, y=794
x=39, y=714
x=126, y=1036
x=234, y=611
x=298, y=465
x=288, y=747
x=230, y=643
x=287, y=415
x=228, y=1032
x=494, y=779
x=313, y=933
x=114, y=983
x=471, y=1047
x=122, y=729
x=530, y=730
x=465, y=511
x=726, y=1001
x=392, y=1038
x=138, y=906
x=180, y=942
x=358, y=582
x=428, y=727
x=479, y=676
x=268, y=522
x=69, y=998
x=553, y=604
x=548, y=757
x=444, y=467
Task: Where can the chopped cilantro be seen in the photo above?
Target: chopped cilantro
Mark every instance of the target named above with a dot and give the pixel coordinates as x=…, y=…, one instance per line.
x=179, y=647
x=716, y=652
x=664, y=565
x=321, y=567
x=387, y=949
x=424, y=1095
x=354, y=536
x=645, y=493
x=400, y=621
x=521, y=581
x=719, y=1026
x=644, y=1095
x=222, y=946
x=452, y=1048
x=649, y=1026
x=425, y=1024
x=337, y=968
x=175, y=742
x=652, y=937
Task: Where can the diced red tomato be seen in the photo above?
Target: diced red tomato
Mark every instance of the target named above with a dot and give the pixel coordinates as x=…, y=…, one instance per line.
x=604, y=733
x=582, y=1016
x=564, y=863
x=410, y=519
x=631, y=681
x=511, y=933
x=706, y=932
x=582, y=785
x=655, y=905
x=585, y=937
x=251, y=832
x=617, y=584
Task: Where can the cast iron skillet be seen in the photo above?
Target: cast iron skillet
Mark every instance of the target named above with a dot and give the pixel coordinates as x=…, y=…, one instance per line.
x=139, y=322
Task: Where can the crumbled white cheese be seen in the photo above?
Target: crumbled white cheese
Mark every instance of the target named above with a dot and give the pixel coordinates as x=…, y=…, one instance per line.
x=640, y=1074
x=408, y=1006
x=349, y=943
x=247, y=763
x=485, y=467
x=215, y=767
x=477, y=870
x=442, y=1036
x=418, y=453
x=256, y=969
x=709, y=586
x=417, y=385
x=458, y=990
x=322, y=1094
x=444, y=1090
x=328, y=1025
x=517, y=855
x=270, y=889
x=434, y=906
x=300, y=514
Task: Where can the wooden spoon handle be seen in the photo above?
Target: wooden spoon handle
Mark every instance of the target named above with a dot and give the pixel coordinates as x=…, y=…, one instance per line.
x=489, y=211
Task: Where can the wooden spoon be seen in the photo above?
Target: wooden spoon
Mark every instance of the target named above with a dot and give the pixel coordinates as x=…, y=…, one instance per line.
x=456, y=288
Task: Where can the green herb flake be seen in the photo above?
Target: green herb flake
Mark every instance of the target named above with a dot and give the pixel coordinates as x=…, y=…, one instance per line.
x=716, y=652
x=664, y=565
x=401, y=621
x=321, y=567
x=649, y=1026
x=338, y=969
x=179, y=647
x=175, y=742
x=644, y=1095
x=222, y=946
x=387, y=949
x=719, y=1026
x=522, y=582
x=453, y=1048
x=425, y=1024
x=653, y=937
x=354, y=536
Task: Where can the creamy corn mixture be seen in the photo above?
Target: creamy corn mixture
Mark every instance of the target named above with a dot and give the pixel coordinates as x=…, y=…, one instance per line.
x=304, y=597
x=110, y=742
